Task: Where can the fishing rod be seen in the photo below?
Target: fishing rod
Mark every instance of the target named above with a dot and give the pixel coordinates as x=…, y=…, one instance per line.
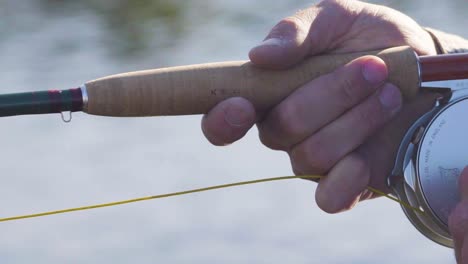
x=195, y=89
x=430, y=158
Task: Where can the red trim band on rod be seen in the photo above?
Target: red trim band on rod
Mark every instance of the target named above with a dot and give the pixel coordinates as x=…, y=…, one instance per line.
x=444, y=67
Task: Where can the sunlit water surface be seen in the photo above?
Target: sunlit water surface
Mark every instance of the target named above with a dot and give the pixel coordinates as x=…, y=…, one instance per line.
x=48, y=165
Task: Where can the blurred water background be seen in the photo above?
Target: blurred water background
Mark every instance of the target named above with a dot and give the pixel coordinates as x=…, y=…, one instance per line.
x=46, y=164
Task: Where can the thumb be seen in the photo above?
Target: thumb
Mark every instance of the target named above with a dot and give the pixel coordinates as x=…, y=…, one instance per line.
x=284, y=46
x=315, y=30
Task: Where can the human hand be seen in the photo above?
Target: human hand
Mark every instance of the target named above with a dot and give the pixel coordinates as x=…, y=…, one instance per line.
x=346, y=125
x=458, y=221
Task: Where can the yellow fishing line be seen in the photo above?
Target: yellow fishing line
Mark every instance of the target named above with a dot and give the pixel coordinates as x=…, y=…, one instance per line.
x=89, y=207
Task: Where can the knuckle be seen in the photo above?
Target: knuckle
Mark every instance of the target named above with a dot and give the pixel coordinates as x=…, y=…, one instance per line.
x=287, y=122
x=288, y=25
x=359, y=163
x=311, y=158
x=268, y=139
x=293, y=26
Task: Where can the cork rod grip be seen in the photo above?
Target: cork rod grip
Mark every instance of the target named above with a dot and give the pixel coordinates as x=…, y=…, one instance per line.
x=195, y=89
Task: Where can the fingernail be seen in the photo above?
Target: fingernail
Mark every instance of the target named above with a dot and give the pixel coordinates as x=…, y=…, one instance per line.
x=374, y=72
x=236, y=116
x=272, y=42
x=390, y=97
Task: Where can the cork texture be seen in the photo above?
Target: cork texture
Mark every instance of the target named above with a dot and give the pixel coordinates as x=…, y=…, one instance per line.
x=195, y=89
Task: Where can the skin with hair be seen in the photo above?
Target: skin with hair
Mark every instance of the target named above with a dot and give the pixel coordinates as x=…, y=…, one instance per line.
x=346, y=125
